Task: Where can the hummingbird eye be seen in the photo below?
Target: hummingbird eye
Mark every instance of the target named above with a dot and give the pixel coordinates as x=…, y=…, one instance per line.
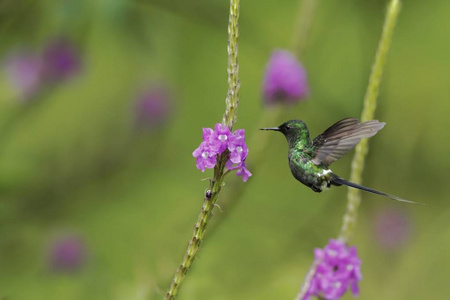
x=287, y=127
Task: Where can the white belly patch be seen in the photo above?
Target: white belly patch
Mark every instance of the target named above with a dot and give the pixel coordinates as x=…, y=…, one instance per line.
x=324, y=185
x=323, y=173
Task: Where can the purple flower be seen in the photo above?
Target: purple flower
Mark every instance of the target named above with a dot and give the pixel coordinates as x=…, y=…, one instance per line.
x=216, y=142
x=153, y=107
x=61, y=60
x=25, y=70
x=338, y=267
x=67, y=254
x=392, y=229
x=205, y=155
x=285, y=79
x=238, y=148
x=242, y=171
x=220, y=138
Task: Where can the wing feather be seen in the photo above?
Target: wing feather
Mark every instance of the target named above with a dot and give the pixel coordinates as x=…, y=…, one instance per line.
x=341, y=137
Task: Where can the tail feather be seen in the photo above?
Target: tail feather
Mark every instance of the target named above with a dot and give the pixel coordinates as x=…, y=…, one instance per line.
x=340, y=181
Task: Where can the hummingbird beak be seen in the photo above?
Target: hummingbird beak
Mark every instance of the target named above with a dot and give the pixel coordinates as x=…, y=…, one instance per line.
x=271, y=128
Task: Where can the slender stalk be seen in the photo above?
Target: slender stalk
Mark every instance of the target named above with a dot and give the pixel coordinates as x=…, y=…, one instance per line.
x=370, y=104
x=211, y=195
x=199, y=228
x=302, y=25
x=232, y=99
x=309, y=276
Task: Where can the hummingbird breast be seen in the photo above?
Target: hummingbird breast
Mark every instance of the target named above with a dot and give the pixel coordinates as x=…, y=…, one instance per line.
x=318, y=178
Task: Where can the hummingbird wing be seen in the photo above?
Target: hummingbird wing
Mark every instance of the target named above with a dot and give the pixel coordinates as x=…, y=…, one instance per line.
x=342, y=137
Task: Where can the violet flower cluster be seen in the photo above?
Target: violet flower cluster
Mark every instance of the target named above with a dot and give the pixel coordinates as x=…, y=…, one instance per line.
x=29, y=70
x=217, y=141
x=285, y=79
x=338, y=267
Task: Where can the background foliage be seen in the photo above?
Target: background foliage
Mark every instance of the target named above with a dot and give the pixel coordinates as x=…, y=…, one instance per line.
x=73, y=160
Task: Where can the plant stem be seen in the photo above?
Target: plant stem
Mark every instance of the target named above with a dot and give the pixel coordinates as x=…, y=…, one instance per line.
x=232, y=99
x=302, y=25
x=211, y=196
x=307, y=282
x=370, y=104
x=199, y=228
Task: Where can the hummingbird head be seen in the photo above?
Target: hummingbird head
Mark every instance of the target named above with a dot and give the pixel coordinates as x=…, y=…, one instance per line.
x=293, y=130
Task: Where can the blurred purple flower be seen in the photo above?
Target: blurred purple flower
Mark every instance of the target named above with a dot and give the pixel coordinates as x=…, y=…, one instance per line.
x=67, y=254
x=392, y=229
x=285, y=79
x=153, y=107
x=217, y=141
x=25, y=70
x=31, y=71
x=338, y=267
x=61, y=60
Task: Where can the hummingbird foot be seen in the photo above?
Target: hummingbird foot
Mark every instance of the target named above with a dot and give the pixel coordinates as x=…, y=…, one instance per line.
x=316, y=189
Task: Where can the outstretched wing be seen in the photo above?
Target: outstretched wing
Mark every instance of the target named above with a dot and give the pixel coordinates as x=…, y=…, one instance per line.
x=342, y=137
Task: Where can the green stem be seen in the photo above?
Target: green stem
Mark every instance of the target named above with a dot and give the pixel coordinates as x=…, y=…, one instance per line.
x=302, y=25
x=229, y=118
x=232, y=99
x=199, y=228
x=370, y=104
x=308, y=278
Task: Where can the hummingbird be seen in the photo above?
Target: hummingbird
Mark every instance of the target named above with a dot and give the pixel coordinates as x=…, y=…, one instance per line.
x=309, y=161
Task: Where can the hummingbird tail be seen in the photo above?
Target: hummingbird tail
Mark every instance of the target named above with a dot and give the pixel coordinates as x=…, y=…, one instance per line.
x=336, y=180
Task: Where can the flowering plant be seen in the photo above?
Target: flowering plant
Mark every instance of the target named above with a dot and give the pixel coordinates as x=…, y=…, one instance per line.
x=338, y=267
x=217, y=141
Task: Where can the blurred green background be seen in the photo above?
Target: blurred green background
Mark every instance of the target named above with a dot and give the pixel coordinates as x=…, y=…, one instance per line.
x=74, y=163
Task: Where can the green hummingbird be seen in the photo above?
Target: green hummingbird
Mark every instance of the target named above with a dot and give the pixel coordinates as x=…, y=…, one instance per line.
x=310, y=161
